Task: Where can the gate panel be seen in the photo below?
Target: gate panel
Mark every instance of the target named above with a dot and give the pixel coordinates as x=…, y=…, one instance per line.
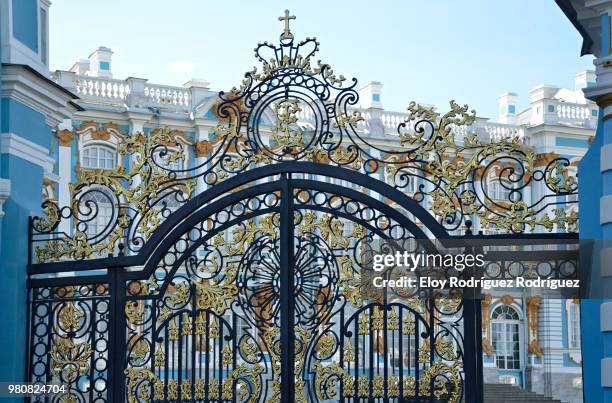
x=360, y=343
x=206, y=325
x=69, y=340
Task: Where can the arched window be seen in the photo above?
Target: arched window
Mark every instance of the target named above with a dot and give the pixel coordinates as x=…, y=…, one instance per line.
x=99, y=157
x=505, y=337
x=101, y=210
x=498, y=189
x=573, y=324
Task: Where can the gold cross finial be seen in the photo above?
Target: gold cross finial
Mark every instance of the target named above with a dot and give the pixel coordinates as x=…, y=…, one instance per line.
x=287, y=34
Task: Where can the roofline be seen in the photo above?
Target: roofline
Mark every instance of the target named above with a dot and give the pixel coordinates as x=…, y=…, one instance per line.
x=570, y=12
x=70, y=94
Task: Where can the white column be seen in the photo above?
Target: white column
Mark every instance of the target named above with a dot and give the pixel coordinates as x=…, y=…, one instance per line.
x=201, y=135
x=64, y=161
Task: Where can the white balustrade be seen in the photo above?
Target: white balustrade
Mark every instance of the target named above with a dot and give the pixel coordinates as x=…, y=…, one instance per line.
x=138, y=91
x=119, y=92
x=575, y=114
x=161, y=95
x=101, y=88
x=391, y=120
x=497, y=131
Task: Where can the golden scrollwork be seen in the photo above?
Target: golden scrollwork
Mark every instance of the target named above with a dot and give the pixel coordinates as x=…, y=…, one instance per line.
x=378, y=386
x=248, y=349
x=139, y=352
x=70, y=316
x=173, y=389
x=70, y=359
x=49, y=221
x=213, y=389
x=285, y=132
x=142, y=187
x=200, y=389
x=363, y=386
x=138, y=383
x=449, y=155
x=326, y=344
x=408, y=327
x=393, y=386
x=211, y=294
x=457, y=162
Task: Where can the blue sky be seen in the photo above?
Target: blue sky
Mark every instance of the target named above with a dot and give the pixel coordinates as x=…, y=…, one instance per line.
x=429, y=51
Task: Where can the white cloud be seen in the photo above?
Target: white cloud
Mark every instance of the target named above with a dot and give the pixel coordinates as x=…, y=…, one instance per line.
x=184, y=66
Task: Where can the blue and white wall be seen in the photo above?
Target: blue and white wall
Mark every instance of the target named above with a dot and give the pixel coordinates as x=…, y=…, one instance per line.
x=31, y=106
x=592, y=20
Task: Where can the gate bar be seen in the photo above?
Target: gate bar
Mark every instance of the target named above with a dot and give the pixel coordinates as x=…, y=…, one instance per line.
x=287, y=347
x=117, y=335
x=472, y=335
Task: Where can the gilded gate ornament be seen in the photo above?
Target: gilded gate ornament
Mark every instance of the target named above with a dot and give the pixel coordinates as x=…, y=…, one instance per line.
x=452, y=164
x=139, y=197
x=69, y=359
x=285, y=132
x=209, y=304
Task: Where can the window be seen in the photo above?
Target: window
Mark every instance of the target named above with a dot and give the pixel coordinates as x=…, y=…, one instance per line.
x=25, y=23
x=101, y=213
x=104, y=65
x=43, y=35
x=99, y=157
x=512, y=109
x=376, y=97
x=551, y=108
x=594, y=112
x=505, y=337
x=498, y=189
x=573, y=324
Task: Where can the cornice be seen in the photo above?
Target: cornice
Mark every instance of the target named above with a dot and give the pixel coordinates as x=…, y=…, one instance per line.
x=38, y=93
x=17, y=146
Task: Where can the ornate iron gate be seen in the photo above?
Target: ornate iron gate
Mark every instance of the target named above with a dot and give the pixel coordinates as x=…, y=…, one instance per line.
x=255, y=289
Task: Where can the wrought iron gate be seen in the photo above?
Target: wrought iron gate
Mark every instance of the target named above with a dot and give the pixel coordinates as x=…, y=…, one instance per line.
x=255, y=288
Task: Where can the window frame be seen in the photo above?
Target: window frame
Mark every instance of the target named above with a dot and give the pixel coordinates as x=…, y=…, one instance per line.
x=98, y=146
x=509, y=328
x=496, y=188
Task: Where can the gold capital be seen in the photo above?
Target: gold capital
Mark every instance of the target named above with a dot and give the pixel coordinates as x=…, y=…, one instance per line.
x=65, y=137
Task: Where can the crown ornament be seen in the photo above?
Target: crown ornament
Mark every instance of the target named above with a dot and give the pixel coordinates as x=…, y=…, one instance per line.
x=288, y=53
